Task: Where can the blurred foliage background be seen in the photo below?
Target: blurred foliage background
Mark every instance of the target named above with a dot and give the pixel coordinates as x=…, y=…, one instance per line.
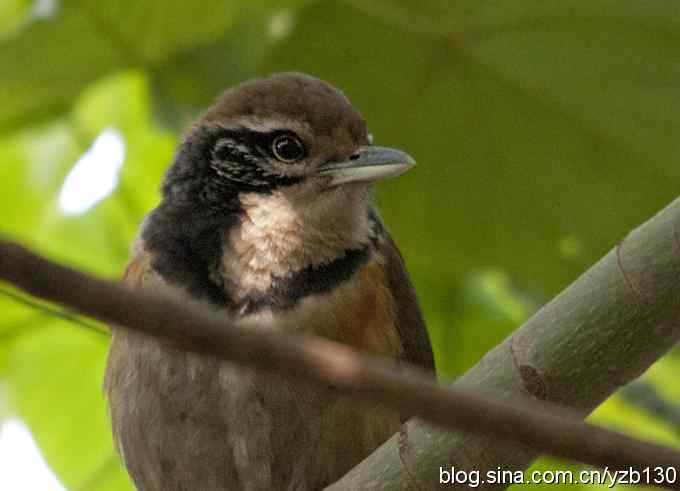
x=544, y=132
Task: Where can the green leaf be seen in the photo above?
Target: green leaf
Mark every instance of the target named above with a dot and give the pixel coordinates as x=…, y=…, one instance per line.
x=472, y=318
x=13, y=13
x=56, y=375
x=85, y=40
x=73, y=51
x=188, y=82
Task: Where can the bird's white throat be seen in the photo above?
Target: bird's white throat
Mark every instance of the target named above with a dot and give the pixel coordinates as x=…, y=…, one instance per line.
x=290, y=230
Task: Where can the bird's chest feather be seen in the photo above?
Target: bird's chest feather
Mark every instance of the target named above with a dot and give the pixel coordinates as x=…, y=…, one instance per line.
x=329, y=279
x=176, y=412
x=280, y=235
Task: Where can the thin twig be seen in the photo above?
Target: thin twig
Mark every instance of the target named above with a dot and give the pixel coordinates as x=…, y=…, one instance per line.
x=545, y=428
x=52, y=312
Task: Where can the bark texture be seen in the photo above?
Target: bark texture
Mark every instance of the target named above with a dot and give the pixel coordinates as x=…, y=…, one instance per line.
x=600, y=333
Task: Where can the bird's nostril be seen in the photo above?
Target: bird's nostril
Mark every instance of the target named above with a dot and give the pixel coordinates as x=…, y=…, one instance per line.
x=354, y=156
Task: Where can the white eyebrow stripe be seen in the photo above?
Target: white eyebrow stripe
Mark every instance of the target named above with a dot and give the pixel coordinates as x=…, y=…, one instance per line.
x=266, y=125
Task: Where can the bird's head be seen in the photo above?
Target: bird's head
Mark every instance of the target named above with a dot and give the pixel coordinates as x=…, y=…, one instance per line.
x=289, y=131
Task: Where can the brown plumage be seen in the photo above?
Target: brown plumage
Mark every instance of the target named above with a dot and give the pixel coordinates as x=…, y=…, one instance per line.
x=266, y=218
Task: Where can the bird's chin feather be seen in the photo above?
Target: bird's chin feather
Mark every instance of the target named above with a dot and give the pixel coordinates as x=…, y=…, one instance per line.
x=296, y=227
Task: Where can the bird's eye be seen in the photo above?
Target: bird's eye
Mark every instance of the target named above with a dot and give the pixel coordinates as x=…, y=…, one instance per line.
x=288, y=148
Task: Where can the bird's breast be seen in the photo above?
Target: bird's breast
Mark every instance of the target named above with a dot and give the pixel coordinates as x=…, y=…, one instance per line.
x=185, y=422
x=282, y=234
x=358, y=311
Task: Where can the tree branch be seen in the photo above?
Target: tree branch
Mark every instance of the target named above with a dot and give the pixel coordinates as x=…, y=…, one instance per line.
x=50, y=312
x=603, y=331
x=600, y=333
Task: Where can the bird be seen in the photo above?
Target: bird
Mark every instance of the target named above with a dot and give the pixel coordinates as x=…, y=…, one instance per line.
x=266, y=218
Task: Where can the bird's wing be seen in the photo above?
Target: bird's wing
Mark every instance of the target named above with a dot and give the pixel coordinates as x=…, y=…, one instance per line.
x=416, y=348
x=136, y=277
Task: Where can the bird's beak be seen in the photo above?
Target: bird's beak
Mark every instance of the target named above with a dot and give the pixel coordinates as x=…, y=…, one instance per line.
x=368, y=164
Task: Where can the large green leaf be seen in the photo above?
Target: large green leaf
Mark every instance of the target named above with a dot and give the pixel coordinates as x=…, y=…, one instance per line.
x=190, y=81
x=53, y=58
x=12, y=14
x=62, y=402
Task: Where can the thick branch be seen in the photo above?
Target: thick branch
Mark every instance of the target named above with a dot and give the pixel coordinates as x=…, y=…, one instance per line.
x=601, y=332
